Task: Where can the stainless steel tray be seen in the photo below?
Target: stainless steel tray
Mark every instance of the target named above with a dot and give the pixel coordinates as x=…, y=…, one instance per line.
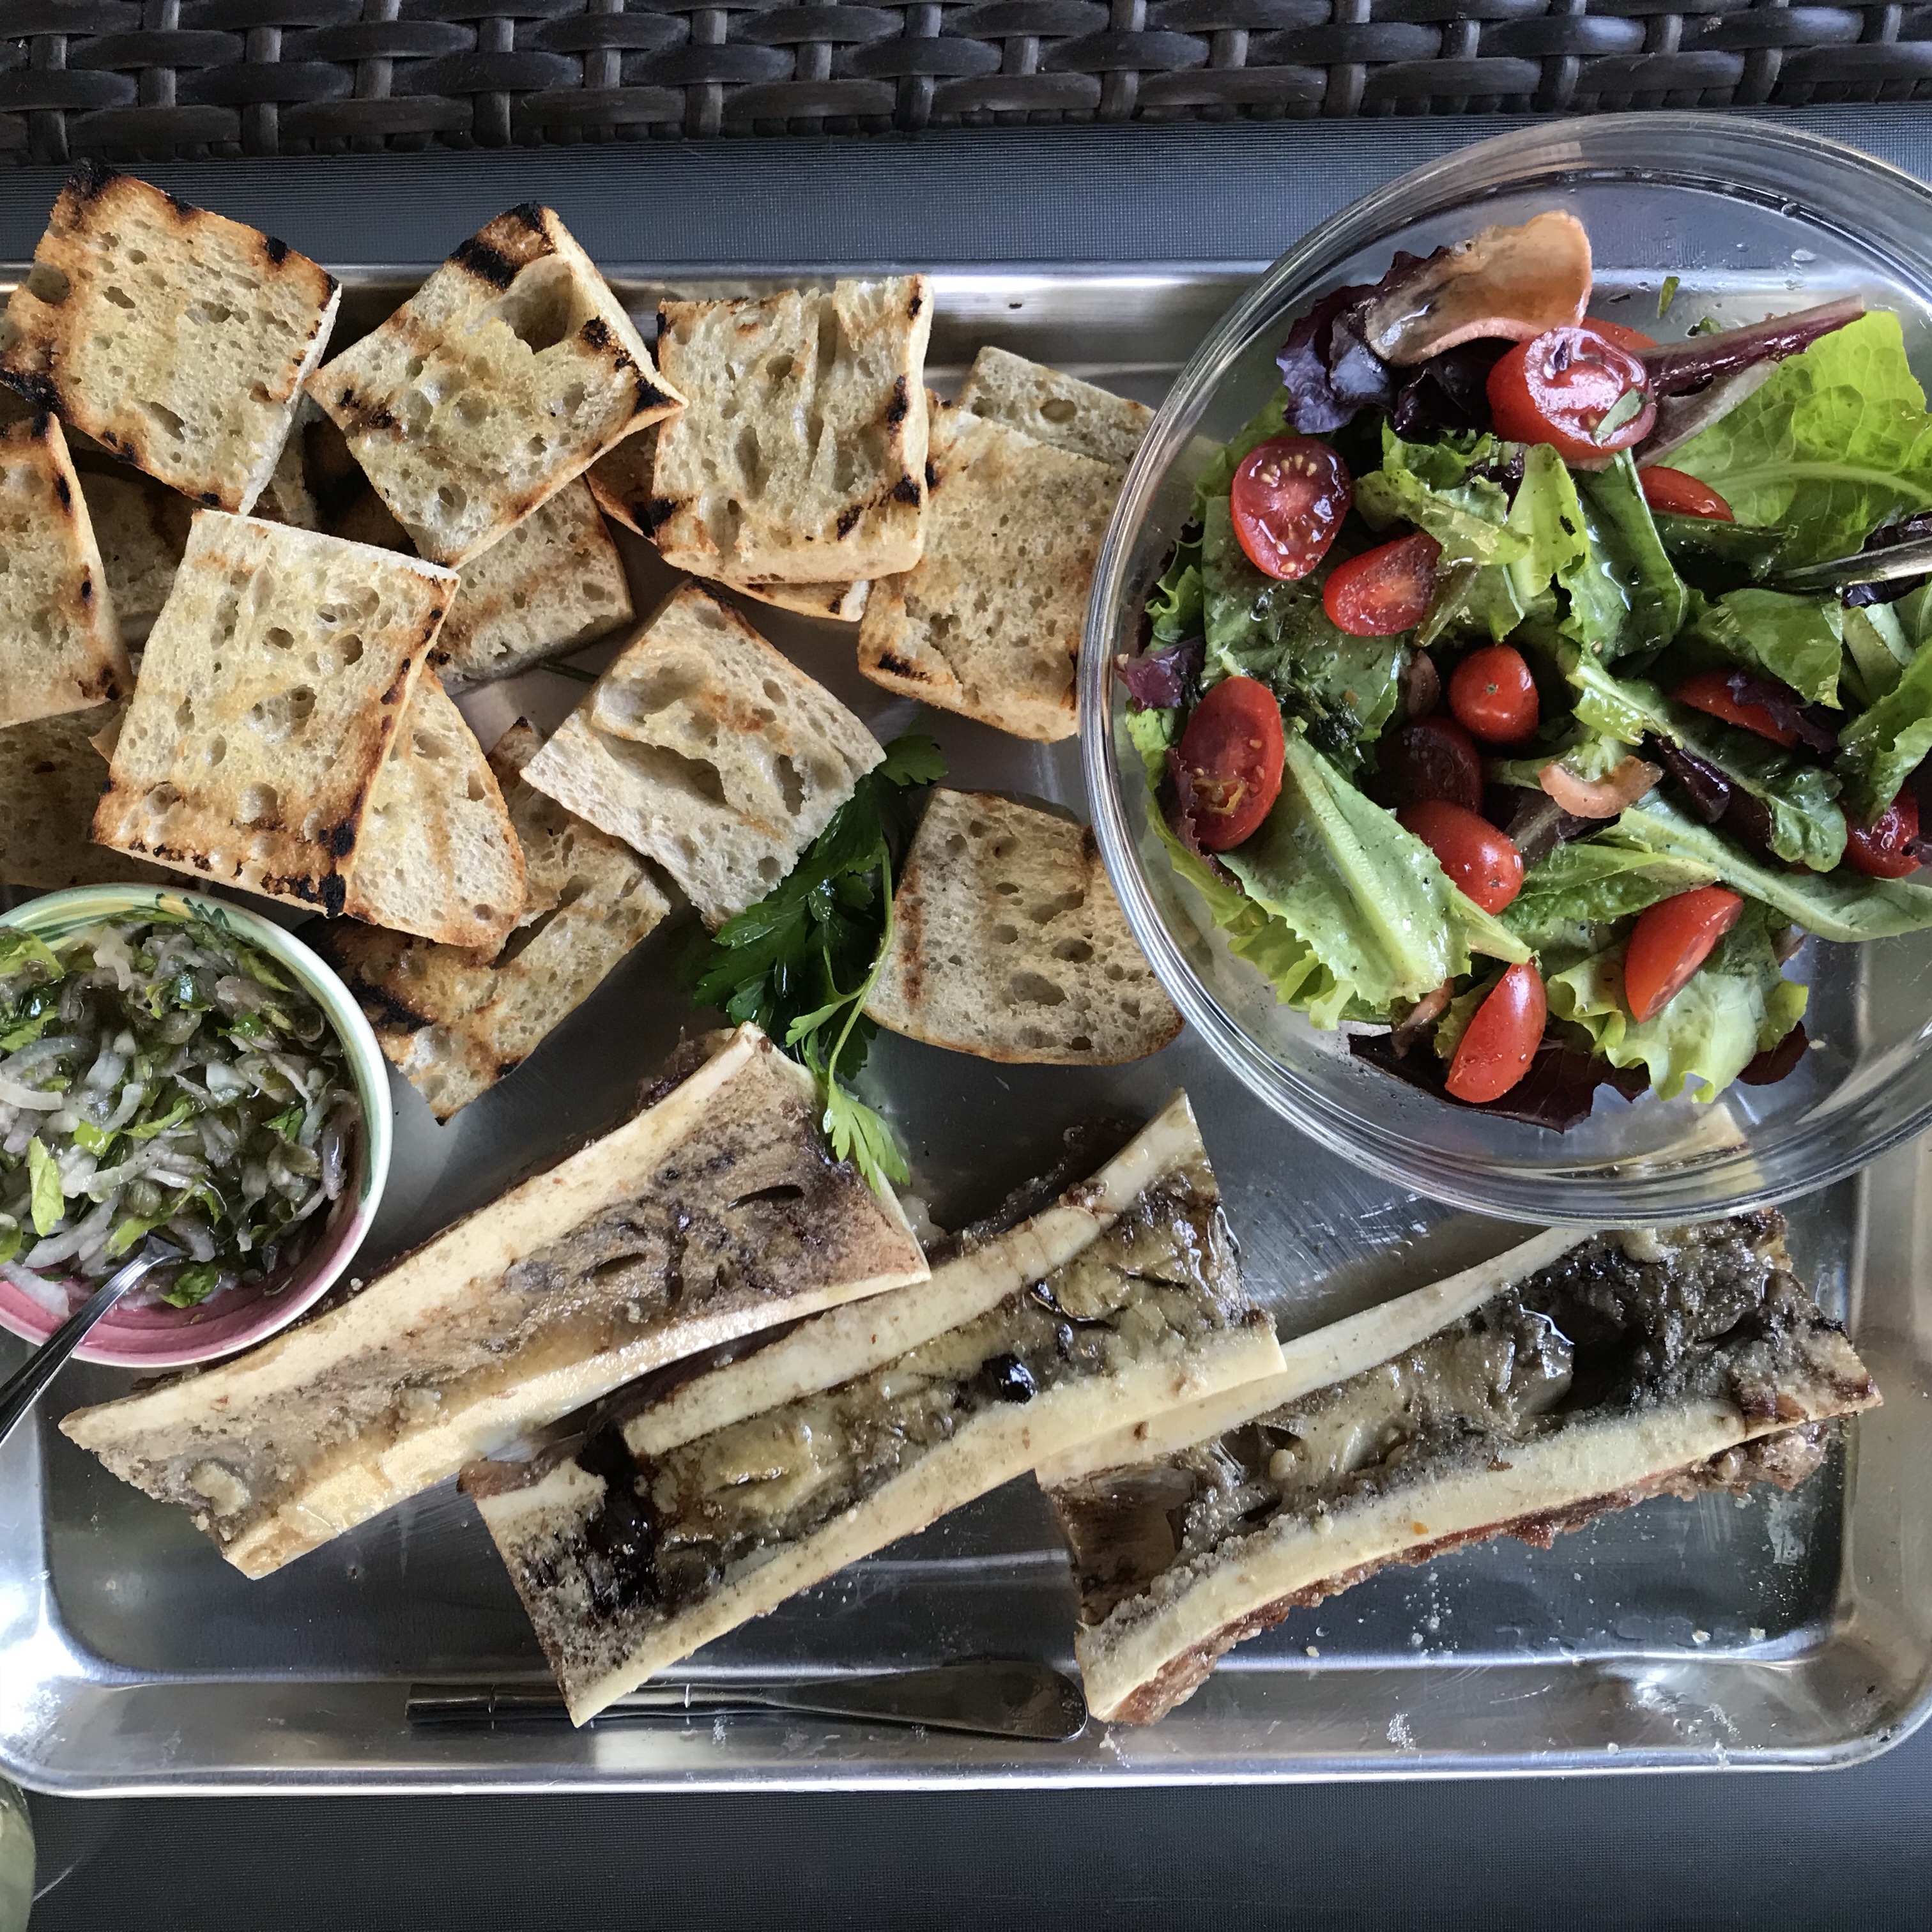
x=1782, y=1630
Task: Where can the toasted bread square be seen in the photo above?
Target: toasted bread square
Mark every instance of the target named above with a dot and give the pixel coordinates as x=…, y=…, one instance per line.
x=1008, y=943
x=802, y=456
x=141, y=529
x=1053, y=408
x=178, y=338
x=51, y=778
x=507, y=374
x=702, y=748
x=273, y=684
x=989, y=623
x=621, y=482
x=60, y=646
x=456, y=1021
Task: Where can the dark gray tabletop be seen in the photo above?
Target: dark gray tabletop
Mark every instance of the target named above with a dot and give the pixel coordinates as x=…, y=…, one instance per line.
x=1853, y=1847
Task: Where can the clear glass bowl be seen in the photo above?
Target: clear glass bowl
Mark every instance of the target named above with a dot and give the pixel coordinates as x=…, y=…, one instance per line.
x=1753, y=218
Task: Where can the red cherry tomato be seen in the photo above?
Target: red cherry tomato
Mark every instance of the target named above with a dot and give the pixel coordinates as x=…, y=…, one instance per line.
x=1498, y=1044
x=1431, y=758
x=1710, y=692
x=1480, y=859
x=1679, y=492
x=1234, y=749
x=1289, y=499
x=1672, y=939
x=1558, y=389
x=1624, y=337
x=1494, y=697
x=1384, y=590
x=1880, y=850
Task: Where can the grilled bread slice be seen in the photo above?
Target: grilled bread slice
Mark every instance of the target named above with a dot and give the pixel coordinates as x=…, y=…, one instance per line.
x=654, y=1535
x=989, y=623
x=1008, y=943
x=177, y=338
x=1055, y=409
x=703, y=748
x=715, y=1212
x=436, y=855
x=141, y=528
x=272, y=691
x=507, y=374
x=60, y=646
x=621, y=482
x=51, y=777
x=554, y=585
x=802, y=456
x=1578, y=1374
x=456, y=1021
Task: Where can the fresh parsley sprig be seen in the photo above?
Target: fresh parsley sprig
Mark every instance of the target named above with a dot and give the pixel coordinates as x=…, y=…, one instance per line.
x=802, y=962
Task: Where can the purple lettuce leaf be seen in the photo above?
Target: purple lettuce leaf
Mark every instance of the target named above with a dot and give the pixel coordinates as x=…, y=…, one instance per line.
x=1159, y=680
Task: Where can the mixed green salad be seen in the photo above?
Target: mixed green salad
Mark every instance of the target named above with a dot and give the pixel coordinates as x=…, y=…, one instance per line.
x=1471, y=717
x=161, y=1075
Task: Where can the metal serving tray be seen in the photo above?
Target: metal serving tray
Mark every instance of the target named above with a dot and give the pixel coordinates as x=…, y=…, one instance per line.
x=1778, y=1630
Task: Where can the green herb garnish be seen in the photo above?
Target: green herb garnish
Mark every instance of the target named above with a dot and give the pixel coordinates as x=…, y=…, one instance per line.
x=802, y=962
x=49, y=1198
x=1667, y=295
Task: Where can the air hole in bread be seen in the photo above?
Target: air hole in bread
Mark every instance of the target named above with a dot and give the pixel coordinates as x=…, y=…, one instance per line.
x=428, y=744
x=1057, y=409
x=472, y=409
x=750, y=457
x=1036, y=990
x=477, y=789
x=349, y=649
x=454, y=498
x=184, y=714
x=160, y=798
x=1074, y=951
x=779, y=368
x=956, y=848
x=770, y=871
x=119, y=296
x=1116, y=972
x=1005, y=935
x=278, y=639
x=215, y=750
x=259, y=393
x=258, y=802
x=537, y=305
x=50, y=284
x=523, y=938
x=165, y=420
x=1080, y=1043
x=790, y=787
x=1071, y=901
x=696, y=778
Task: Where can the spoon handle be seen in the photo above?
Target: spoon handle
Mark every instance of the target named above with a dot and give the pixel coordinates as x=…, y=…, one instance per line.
x=21, y=1393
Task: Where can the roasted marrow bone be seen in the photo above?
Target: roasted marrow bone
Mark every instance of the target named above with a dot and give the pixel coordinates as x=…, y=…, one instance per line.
x=659, y=1532
x=715, y=1212
x=1575, y=1376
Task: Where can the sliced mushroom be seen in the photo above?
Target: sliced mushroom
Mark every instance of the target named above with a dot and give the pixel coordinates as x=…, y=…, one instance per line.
x=1506, y=284
x=1599, y=798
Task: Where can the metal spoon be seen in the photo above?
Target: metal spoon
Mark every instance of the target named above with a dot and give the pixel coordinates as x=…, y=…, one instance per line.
x=1002, y=1697
x=21, y=1393
x=1912, y=558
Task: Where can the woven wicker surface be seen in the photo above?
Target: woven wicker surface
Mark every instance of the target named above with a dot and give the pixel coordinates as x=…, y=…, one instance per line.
x=198, y=77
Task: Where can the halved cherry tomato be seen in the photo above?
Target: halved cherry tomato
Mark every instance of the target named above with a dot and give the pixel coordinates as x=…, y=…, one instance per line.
x=1480, y=859
x=1288, y=501
x=1384, y=590
x=1672, y=939
x=1880, y=850
x=1710, y=692
x=1234, y=749
x=1624, y=336
x=1678, y=491
x=1499, y=1042
x=1558, y=388
x=1493, y=695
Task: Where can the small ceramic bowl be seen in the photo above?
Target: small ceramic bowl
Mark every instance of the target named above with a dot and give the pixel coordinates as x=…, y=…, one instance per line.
x=156, y=1336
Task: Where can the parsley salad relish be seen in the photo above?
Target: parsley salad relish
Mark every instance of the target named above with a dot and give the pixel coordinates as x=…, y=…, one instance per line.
x=160, y=1074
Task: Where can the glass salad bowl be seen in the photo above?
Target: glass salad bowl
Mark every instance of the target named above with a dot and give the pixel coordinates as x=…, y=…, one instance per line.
x=1748, y=219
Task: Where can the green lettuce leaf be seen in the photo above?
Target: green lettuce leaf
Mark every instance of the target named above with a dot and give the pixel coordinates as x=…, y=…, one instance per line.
x=1583, y=885
x=1732, y=1008
x=1713, y=556
x=1344, y=689
x=1367, y=896
x=1881, y=748
x=1877, y=650
x=1153, y=730
x=1796, y=639
x=19, y=949
x=1632, y=595
x=1434, y=487
x=1800, y=799
x=1841, y=906
x=1837, y=442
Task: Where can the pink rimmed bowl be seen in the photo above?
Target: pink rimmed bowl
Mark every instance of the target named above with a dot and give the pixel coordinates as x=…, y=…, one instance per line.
x=158, y=1336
